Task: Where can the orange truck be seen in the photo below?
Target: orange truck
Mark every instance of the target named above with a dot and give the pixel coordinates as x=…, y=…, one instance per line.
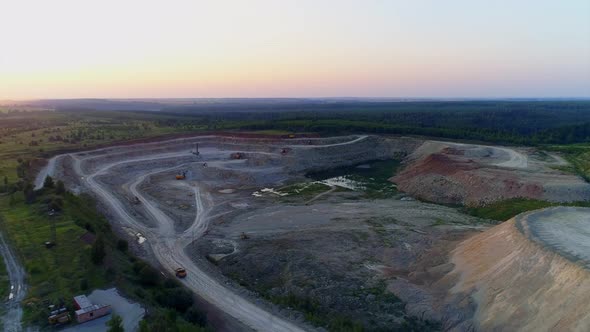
x=180, y=272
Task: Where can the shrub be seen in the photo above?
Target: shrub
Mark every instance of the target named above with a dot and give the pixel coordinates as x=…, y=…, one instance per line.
x=48, y=183
x=122, y=245
x=195, y=316
x=148, y=276
x=98, y=251
x=60, y=188
x=83, y=284
x=175, y=298
x=115, y=324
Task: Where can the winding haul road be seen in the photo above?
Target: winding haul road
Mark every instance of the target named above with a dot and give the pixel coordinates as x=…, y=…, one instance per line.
x=168, y=246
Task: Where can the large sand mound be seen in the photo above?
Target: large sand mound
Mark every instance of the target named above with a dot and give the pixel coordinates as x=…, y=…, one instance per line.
x=529, y=273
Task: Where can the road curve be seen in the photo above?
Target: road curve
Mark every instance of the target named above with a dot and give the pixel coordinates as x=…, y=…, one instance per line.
x=515, y=158
x=168, y=248
x=49, y=169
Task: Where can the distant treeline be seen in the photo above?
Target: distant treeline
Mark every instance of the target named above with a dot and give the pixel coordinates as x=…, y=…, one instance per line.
x=517, y=122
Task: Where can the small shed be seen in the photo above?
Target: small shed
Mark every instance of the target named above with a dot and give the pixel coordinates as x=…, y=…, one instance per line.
x=86, y=311
x=92, y=312
x=81, y=301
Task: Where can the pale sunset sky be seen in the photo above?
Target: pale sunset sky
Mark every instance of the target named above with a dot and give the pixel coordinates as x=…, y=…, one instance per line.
x=303, y=48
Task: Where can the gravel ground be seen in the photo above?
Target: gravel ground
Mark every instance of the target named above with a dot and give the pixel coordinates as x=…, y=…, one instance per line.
x=565, y=230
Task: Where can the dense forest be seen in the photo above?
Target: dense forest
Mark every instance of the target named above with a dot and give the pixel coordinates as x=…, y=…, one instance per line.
x=503, y=121
x=519, y=122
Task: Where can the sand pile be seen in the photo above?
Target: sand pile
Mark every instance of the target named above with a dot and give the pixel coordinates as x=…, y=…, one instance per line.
x=520, y=280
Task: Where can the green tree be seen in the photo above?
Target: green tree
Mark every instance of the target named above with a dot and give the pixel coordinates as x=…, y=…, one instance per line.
x=98, y=251
x=56, y=204
x=60, y=187
x=148, y=276
x=144, y=326
x=122, y=245
x=195, y=316
x=48, y=183
x=115, y=324
x=29, y=192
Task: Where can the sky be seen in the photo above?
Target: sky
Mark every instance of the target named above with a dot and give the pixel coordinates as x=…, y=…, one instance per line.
x=299, y=48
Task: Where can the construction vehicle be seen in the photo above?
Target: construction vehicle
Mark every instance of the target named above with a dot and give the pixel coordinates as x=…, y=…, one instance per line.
x=181, y=176
x=180, y=272
x=237, y=155
x=60, y=316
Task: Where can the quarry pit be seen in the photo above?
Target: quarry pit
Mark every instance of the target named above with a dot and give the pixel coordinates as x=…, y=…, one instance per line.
x=269, y=246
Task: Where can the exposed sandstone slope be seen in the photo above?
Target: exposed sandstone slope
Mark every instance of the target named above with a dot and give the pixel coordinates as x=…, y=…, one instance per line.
x=455, y=173
x=519, y=279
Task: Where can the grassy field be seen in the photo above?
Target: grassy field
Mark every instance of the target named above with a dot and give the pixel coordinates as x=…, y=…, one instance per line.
x=578, y=155
x=504, y=210
x=70, y=268
x=56, y=274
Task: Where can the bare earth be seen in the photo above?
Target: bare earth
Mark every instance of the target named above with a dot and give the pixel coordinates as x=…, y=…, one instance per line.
x=390, y=263
x=469, y=174
x=529, y=273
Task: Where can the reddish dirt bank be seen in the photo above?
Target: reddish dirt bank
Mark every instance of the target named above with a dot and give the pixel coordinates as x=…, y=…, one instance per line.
x=444, y=179
x=477, y=175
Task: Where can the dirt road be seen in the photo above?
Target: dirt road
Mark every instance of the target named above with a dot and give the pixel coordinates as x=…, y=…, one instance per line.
x=11, y=319
x=515, y=158
x=168, y=247
x=49, y=169
x=133, y=165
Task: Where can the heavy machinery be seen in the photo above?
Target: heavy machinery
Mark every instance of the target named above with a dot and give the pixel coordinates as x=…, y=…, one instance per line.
x=180, y=272
x=237, y=155
x=181, y=176
x=58, y=317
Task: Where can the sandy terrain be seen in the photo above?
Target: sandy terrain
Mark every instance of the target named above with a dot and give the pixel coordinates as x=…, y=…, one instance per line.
x=528, y=273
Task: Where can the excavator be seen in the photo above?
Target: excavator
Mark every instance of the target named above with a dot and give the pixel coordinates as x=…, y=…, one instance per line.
x=181, y=176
